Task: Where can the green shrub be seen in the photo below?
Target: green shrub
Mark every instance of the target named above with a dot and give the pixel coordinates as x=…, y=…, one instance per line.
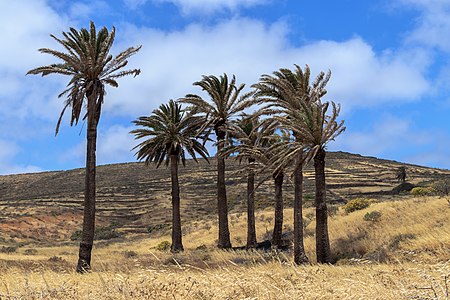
x=422, y=191
x=357, y=204
x=163, y=246
x=372, y=216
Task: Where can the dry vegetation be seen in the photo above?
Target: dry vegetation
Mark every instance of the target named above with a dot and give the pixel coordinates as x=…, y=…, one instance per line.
x=404, y=254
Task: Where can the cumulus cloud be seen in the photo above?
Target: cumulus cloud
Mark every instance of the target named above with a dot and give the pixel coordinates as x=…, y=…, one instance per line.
x=432, y=25
x=172, y=61
x=201, y=6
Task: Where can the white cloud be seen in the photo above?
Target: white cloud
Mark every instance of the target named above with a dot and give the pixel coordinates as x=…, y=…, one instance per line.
x=201, y=6
x=172, y=61
x=114, y=145
x=433, y=23
x=385, y=137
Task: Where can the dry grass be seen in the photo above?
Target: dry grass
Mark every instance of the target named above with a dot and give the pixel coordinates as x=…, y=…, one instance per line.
x=411, y=240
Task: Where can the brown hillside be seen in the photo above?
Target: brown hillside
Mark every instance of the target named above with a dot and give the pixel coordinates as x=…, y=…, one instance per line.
x=42, y=206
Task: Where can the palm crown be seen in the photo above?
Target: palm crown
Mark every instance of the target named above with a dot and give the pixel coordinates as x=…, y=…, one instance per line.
x=88, y=62
x=168, y=131
x=225, y=103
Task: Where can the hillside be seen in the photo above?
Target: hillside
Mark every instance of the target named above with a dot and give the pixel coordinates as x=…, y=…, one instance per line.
x=402, y=255
x=133, y=197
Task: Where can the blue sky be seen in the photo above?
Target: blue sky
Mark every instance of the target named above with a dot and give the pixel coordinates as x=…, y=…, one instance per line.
x=389, y=61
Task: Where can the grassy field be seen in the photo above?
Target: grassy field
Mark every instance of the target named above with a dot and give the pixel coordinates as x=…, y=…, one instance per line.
x=405, y=254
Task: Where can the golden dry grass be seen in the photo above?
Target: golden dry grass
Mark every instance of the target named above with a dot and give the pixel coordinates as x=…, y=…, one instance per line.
x=412, y=239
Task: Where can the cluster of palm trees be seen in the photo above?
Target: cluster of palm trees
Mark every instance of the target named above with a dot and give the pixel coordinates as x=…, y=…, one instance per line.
x=289, y=127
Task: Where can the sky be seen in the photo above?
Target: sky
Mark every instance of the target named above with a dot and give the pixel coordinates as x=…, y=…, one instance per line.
x=389, y=61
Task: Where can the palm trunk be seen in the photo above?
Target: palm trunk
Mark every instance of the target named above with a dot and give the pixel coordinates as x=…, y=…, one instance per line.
x=322, y=239
x=299, y=248
x=251, y=228
x=177, y=244
x=222, y=205
x=278, y=223
x=87, y=237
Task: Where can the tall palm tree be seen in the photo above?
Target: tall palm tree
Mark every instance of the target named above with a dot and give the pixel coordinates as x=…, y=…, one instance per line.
x=169, y=133
x=224, y=105
x=282, y=95
x=278, y=172
x=88, y=62
x=316, y=128
x=245, y=134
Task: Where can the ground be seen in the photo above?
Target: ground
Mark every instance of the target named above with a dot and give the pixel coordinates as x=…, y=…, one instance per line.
x=404, y=254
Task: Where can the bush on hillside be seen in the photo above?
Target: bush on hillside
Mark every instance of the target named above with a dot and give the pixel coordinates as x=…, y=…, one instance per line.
x=403, y=188
x=422, y=191
x=372, y=216
x=357, y=204
x=396, y=240
x=163, y=246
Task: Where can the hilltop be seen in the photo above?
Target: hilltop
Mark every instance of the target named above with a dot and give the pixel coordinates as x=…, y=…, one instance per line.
x=135, y=197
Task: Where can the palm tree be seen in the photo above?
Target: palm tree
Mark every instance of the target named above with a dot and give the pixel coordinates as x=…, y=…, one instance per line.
x=278, y=177
x=246, y=135
x=401, y=174
x=169, y=133
x=283, y=94
x=88, y=62
x=225, y=103
x=316, y=128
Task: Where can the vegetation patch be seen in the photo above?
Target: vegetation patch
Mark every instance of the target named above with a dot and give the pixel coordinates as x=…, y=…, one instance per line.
x=372, y=216
x=8, y=249
x=404, y=187
x=158, y=227
x=357, y=204
x=101, y=233
x=163, y=246
x=422, y=191
x=30, y=252
x=400, y=238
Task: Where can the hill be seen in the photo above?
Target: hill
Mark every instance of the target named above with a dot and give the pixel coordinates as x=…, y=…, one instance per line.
x=134, y=197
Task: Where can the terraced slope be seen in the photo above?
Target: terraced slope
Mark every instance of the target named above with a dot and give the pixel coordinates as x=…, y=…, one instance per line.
x=133, y=196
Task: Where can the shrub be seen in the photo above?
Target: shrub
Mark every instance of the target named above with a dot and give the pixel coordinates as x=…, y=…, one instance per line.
x=157, y=227
x=357, y=204
x=332, y=210
x=56, y=259
x=163, y=246
x=442, y=187
x=400, y=238
x=30, y=252
x=101, y=233
x=8, y=249
x=422, y=191
x=129, y=254
x=404, y=187
x=372, y=216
